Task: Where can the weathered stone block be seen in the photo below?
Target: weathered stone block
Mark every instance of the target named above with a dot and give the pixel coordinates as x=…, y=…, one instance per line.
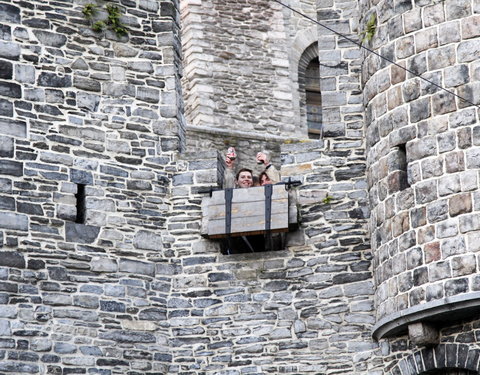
x=86, y=301
x=460, y=204
x=64, y=348
x=454, y=287
x=88, y=101
x=112, y=306
x=153, y=314
x=13, y=221
x=463, y=265
x=117, y=89
x=6, y=69
x=57, y=299
x=439, y=271
x=50, y=39
x=30, y=208
x=426, y=192
x=81, y=233
x=128, y=336
x=423, y=334
x=137, y=267
x=47, y=79
x=101, y=264
x=9, y=50
x=86, y=84
x=10, y=89
x=19, y=367
x=41, y=345
x=420, y=109
x=6, y=147
x=148, y=240
x=458, y=9
x=471, y=27
x=81, y=177
x=455, y=162
x=453, y=246
x=9, y=13
x=447, y=228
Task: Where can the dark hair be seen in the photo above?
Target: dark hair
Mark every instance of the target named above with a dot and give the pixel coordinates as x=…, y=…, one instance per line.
x=261, y=175
x=243, y=170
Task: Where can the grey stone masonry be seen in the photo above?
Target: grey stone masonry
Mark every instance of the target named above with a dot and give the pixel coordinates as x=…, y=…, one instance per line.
x=104, y=171
x=424, y=231
x=305, y=309
x=237, y=72
x=101, y=111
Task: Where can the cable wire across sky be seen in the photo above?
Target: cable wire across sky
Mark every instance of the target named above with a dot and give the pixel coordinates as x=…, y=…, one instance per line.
x=376, y=53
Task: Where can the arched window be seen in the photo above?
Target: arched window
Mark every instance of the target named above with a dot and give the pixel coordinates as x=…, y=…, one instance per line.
x=309, y=87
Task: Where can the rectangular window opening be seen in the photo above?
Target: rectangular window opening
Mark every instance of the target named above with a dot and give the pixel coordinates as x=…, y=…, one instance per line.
x=402, y=166
x=253, y=243
x=80, y=204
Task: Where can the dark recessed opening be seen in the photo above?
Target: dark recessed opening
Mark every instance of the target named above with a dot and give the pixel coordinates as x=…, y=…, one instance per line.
x=313, y=99
x=402, y=166
x=80, y=204
x=253, y=243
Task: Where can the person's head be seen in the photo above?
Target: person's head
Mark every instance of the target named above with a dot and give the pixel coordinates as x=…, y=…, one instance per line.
x=244, y=178
x=264, y=179
x=256, y=181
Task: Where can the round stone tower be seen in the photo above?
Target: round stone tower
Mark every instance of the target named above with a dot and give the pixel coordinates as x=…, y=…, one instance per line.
x=422, y=145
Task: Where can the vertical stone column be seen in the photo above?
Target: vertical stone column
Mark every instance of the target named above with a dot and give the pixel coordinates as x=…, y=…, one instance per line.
x=424, y=229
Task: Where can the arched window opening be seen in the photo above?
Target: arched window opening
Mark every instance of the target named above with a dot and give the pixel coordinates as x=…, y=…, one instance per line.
x=313, y=99
x=309, y=90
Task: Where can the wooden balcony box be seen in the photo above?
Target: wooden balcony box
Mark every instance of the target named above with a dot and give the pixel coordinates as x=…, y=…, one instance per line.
x=251, y=211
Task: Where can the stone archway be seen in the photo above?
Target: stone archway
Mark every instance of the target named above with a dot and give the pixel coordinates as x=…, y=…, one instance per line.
x=450, y=372
x=443, y=359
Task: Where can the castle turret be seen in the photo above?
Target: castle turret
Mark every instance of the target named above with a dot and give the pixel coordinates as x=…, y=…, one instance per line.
x=422, y=125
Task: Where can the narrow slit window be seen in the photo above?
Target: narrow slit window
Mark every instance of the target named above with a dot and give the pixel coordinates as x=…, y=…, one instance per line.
x=313, y=99
x=80, y=204
x=402, y=166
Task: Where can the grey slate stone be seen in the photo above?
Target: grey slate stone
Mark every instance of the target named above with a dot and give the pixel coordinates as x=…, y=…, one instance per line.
x=13, y=221
x=81, y=177
x=9, y=50
x=10, y=89
x=9, y=13
x=88, y=101
x=148, y=240
x=50, y=39
x=47, y=79
x=137, y=267
x=6, y=147
x=6, y=69
x=128, y=336
x=81, y=233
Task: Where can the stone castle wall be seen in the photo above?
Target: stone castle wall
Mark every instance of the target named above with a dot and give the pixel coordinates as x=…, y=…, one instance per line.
x=307, y=309
x=237, y=66
x=136, y=289
x=425, y=229
x=81, y=108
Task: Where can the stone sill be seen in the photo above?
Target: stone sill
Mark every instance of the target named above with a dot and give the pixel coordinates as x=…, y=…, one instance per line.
x=438, y=312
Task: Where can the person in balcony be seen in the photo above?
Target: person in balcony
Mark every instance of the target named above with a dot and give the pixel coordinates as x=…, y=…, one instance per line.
x=264, y=179
x=270, y=171
x=243, y=178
